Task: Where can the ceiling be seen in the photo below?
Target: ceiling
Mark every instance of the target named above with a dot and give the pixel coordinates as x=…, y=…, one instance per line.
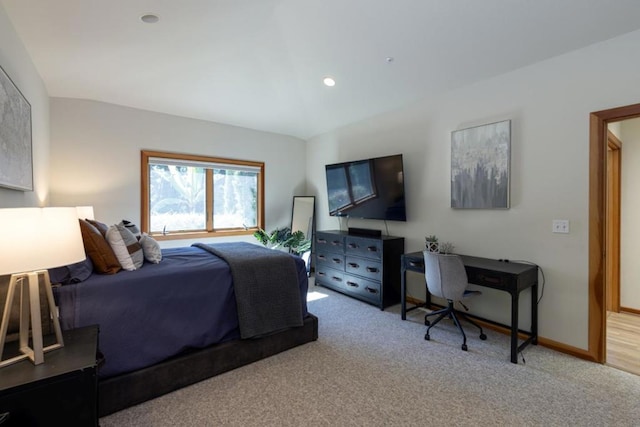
x=259, y=63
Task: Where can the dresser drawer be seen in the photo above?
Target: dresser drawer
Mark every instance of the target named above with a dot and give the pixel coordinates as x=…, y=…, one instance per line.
x=326, y=242
x=369, y=268
x=330, y=277
x=330, y=259
x=365, y=289
x=368, y=248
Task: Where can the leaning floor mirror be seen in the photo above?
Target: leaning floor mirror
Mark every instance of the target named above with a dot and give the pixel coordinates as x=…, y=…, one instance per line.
x=303, y=219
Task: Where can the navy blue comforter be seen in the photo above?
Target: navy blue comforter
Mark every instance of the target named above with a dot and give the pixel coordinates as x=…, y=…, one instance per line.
x=150, y=314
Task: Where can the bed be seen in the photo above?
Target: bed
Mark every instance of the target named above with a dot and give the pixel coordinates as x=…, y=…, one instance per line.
x=201, y=311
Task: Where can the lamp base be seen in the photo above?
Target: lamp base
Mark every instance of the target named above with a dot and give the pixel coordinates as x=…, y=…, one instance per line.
x=28, y=283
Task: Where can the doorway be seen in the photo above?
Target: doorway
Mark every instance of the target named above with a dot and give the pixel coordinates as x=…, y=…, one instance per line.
x=603, y=247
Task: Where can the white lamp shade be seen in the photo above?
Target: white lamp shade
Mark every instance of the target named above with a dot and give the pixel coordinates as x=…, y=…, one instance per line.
x=85, y=212
x=39, y=238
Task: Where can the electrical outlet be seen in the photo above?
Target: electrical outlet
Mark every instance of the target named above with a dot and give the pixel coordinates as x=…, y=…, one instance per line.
x=560, y=226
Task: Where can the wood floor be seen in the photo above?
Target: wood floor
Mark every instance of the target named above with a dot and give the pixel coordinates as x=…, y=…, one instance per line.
x=623, y=341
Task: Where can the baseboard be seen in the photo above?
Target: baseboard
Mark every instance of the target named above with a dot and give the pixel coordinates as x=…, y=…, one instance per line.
x=567, y=349
x=630, y=310
x=545, y=342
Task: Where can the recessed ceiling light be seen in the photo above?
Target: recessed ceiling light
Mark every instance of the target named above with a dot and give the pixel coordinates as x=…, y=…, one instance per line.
x=149, y=18
x=329, y=81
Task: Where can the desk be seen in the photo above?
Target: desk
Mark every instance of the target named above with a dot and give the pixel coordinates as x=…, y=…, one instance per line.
x=511, y=277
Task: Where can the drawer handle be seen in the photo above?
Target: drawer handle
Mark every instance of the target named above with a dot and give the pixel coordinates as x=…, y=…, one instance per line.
x=372, y=248
x=353, y=245
x=336, y=279
x=416, y=264
x=336, y=260
x=353, y=284
x=372, y=270
x=322, y=240
x=371, y=290
x=322, y=257
x=335, y=243
x=353, y=265
x=321, y=273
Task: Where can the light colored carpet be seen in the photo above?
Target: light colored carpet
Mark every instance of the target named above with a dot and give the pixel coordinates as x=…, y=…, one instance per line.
x=370, y=368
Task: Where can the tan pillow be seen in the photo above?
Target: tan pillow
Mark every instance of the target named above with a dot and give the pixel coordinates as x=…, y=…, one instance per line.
x=98, y=249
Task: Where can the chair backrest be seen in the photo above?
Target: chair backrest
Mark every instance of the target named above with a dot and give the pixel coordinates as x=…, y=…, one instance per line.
x=445, y=274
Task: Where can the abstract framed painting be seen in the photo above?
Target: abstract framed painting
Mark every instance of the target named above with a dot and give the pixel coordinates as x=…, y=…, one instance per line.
x=480, y=166
x=16, y=165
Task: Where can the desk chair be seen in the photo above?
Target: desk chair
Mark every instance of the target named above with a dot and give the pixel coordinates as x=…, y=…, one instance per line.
x=447, y=278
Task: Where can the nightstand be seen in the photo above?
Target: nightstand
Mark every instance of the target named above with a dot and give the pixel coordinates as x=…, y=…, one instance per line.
x=61, y=391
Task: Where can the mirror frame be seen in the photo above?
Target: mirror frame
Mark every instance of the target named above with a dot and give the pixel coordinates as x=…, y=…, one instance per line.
x=311, y=223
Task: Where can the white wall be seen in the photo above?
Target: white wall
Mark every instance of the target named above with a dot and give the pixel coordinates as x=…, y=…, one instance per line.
x=17, y=64
x=549, y=105
x=630, y=212
x=615, y=128
x=95, y=157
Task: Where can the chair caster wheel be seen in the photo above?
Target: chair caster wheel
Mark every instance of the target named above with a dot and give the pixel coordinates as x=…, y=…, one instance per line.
x=483, y=337
x=427, y=337
x=426, y=322
x=464, y=347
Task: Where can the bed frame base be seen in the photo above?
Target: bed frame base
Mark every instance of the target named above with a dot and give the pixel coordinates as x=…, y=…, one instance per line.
x=122, y=391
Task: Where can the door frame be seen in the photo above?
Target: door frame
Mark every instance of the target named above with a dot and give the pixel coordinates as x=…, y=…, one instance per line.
x=598, y=144
x=613, y=209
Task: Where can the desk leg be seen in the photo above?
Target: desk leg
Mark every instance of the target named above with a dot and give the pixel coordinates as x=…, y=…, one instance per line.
x=514, y=327
x=403, y=292
x=534, y=313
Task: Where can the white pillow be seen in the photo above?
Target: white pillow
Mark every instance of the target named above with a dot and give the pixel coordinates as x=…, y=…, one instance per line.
x=125, y=246
x=150, y=248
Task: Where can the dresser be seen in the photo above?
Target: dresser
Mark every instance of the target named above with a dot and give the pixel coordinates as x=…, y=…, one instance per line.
x=363, y=267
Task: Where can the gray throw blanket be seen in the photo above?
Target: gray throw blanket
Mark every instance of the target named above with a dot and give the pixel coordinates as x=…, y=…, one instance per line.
x=265, y=282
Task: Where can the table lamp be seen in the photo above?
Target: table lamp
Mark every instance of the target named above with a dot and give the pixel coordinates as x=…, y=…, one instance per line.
x=31, y=241
x=85, y=212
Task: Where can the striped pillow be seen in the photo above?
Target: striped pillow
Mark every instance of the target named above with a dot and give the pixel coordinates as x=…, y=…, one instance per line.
x=131, y=227
x=125, y=246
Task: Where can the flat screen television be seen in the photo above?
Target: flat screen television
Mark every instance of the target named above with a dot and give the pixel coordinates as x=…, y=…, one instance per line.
x=370, y=188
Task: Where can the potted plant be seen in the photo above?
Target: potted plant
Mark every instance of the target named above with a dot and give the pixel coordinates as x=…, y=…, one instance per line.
x=431, y=243
x=446, y=248
x=296, y=242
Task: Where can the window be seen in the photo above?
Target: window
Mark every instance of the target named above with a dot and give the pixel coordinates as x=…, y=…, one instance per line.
x=185, y=195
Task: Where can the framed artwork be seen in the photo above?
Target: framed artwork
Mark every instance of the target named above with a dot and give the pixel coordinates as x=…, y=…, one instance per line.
x=480, y=170
x=16, y=167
